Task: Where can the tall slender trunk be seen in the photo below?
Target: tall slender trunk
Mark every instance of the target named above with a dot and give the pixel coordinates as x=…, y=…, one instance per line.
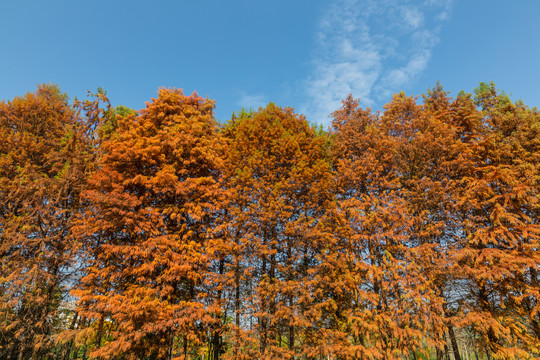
x=216, y=345
x=99, y=334
x=237, y=306
x=291, y=337
x=272, y=306
x=453, y=341
x=446, y=352
x=185, y=347
x=171, y=345
x=440, y=355
x=272, y=275
x=217, y=341
x=263, y=318
x=290, y=277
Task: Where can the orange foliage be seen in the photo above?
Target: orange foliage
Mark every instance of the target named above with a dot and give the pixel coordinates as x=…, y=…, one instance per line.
x=411, y=232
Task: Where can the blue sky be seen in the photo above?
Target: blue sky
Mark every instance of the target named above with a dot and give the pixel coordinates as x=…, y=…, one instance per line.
x=299, y=53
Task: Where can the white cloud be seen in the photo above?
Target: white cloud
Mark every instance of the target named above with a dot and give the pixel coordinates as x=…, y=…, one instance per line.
x=252, y=100
x=370, y=48
x=412, y=17
x=396, y=78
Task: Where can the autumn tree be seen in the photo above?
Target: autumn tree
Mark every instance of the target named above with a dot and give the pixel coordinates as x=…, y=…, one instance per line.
x=43, y=166
x=498, y=198
x=369, y=308
x=147, y=222
x=278, y=178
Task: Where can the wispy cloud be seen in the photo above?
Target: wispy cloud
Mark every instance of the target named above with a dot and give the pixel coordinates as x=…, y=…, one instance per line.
x=252, y=100
x=370, y=48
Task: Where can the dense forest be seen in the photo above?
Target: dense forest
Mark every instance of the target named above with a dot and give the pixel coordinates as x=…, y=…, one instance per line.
x=407, y=233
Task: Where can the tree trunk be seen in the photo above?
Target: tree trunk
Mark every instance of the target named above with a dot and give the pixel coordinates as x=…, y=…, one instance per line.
x=272, y=306
x=440, y=355
x=237, y=307
x=446, y=352
x=290, y=334
x=291, y=337
x=216, y=345
x=216, y=337
x=100, y=332
x=453, y=341
x=262, y=319
x=171, y=345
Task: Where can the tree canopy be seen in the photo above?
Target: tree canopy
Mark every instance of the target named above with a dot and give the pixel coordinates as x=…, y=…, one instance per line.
x=411, y=232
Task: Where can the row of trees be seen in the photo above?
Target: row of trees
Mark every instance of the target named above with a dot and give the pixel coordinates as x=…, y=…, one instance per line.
x=160, y=234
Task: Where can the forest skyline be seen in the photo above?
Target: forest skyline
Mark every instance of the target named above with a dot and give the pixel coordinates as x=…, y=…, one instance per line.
x=409, y=233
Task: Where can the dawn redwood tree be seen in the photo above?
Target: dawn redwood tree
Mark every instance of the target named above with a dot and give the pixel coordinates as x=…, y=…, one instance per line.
x=526, y=139
x=498, y=256
x=279, y=181
x=43, y=166
x=431, y=166
x=430, y=158
x=149, y=211
x=383, y=304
